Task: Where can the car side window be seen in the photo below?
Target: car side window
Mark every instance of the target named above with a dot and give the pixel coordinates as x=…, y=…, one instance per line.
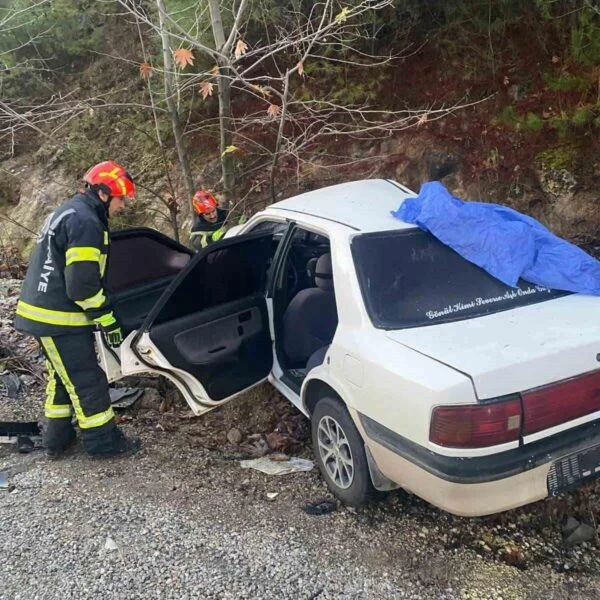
x=223, y=275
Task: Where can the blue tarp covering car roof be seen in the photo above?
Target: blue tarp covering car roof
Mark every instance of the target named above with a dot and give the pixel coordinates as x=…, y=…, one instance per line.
x=505, y=243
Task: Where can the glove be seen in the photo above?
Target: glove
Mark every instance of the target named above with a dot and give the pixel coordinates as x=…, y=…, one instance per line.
x=113, y=337
x=111, y=330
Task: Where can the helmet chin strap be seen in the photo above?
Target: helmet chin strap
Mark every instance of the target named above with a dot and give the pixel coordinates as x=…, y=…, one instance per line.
x=105, y=203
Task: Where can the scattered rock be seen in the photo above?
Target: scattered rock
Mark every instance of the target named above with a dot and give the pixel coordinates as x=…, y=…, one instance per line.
x=234, y=436
x=110, y=544
x=582, y=533
x=151, y=400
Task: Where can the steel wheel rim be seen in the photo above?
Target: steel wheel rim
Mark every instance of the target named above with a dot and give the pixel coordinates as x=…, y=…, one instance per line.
x=335, y=452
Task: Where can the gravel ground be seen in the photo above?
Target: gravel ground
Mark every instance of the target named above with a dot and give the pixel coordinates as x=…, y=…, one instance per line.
x=181, y=519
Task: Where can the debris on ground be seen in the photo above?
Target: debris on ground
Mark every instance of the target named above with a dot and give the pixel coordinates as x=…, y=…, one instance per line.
x=576, y=532
x=10, y=384
x=323, y=506
x=3, y=480
x=26, y=436
x=278, y=467
x=124, y=397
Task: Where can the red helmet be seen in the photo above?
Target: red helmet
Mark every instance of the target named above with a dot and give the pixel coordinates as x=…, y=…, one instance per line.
x=111, y=178
x=204, y=202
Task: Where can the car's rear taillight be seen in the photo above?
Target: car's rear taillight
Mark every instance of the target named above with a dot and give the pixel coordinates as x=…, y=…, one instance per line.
x=561, y=402
x=476, y=426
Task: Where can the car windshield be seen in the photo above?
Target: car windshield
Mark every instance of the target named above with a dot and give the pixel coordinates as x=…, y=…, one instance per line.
x=410, y=279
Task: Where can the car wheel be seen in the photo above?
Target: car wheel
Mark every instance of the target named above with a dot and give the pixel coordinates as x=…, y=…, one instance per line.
x=340, y=452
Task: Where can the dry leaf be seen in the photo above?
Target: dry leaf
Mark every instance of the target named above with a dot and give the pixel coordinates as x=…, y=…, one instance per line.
x=273, y=111
x=215, y=70
x=342, y=16
x=183, y=57
x=506, y=80
x=240, y=48
x=261, y=90
x=300, y=66
x=145, y=70
x=422, y=119
x=555, y=60
x=206, y=89
x=229, y=150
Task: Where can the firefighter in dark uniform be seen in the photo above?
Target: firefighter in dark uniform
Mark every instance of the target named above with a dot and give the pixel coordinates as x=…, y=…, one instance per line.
x=209, y=220
x=63, y=301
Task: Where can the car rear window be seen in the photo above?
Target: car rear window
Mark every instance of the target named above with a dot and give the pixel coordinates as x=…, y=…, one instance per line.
x=410, y=279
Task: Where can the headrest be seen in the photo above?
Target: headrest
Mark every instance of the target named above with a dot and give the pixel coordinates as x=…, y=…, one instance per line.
x=323, y=273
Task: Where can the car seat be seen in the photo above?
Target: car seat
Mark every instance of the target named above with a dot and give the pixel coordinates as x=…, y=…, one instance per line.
x=310, y=320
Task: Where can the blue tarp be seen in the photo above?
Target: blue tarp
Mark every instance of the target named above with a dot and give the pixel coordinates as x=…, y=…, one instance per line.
x=504, y=242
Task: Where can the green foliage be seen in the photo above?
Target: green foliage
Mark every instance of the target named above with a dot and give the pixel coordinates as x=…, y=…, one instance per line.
x=582, y=116
x=508, y=116
x=339, y=83
x=40, y=38
x=564, y=156
x=566, y=82
x=533, y=122
x=50, y=33
x=578, y=21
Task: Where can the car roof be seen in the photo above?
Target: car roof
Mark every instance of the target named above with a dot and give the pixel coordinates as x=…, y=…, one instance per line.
x=363, y=205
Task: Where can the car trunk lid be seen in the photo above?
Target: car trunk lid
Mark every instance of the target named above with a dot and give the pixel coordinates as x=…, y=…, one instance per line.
x=516, y=350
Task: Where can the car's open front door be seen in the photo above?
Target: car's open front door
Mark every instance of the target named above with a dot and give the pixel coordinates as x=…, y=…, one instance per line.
x=209, y=333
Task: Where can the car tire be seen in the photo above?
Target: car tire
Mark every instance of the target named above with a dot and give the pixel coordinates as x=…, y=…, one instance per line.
x=340, y=452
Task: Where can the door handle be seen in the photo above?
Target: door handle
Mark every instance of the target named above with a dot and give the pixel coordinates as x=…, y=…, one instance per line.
x=217, y=349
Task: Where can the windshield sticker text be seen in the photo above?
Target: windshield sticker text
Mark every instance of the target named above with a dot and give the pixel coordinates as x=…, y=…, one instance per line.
x=479, y=302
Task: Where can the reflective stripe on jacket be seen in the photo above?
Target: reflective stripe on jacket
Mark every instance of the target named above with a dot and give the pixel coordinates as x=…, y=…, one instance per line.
x=63, y=291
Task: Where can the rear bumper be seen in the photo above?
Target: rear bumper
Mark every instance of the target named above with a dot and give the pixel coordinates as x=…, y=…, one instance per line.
x=482, y=485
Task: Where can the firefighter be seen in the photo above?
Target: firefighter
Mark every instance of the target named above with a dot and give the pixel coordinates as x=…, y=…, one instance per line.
x=63, y=301
x=209, y=220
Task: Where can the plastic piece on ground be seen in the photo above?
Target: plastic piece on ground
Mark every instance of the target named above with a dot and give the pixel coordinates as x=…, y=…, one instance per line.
x=3, y=480
x=124, y=397
x=265, y=465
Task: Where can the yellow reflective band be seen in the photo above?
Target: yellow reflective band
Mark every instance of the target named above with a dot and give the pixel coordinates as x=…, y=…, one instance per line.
x=106, y=320
x=217, y=235
x=51, y=410
x=103, y=258
x=51, y=317
x=113, y=175
x=96, y=420
x=82, y=253
x=96, y=301
x=58, y=411
x=106, y=238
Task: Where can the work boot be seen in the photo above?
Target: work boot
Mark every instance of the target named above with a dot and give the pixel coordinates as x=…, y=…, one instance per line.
x=117, y=445
x=58, y=435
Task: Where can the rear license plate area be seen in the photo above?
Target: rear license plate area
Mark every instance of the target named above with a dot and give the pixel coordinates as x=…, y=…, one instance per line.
x=573, y=470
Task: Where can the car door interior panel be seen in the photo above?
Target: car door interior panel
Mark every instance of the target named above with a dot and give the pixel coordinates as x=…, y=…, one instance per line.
x=227, y=348
x=213, y=321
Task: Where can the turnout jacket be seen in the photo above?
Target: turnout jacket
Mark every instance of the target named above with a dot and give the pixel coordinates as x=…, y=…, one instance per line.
x=204, y=233
x=63, y=291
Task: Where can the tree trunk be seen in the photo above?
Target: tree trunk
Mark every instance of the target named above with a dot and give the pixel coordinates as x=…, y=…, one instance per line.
x=225, y=120
x=171, y=104
x=282, y=118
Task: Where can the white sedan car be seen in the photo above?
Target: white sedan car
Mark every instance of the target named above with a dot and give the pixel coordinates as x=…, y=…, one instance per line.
x=416, y=368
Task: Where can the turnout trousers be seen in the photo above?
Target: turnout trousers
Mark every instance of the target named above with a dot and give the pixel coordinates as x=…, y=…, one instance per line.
x=76, y=386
